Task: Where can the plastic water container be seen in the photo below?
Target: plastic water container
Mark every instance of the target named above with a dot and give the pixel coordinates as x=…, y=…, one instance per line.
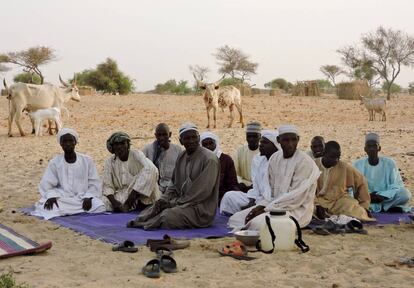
x=284, y=229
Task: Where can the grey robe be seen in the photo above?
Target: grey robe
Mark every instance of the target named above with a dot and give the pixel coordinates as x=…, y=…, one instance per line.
x=193, y=194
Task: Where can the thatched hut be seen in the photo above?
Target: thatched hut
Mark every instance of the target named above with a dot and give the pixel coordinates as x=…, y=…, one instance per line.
x=275, y=92
x=258, y=91
x=306, y=88
x=86, y=90
x=352, y=90
x=245, y=89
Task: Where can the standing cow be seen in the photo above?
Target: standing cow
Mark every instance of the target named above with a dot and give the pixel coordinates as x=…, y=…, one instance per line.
x=33, y=97
x=375, y=105
x=216, y=96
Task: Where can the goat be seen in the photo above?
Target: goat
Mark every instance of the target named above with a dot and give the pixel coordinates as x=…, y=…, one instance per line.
x=375, y=105
x=39, y=115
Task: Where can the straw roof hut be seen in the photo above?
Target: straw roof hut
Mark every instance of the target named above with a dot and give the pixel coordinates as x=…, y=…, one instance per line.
x=306, y=88
x=275, y=92
x=352, y=90
x=245, y=89
x=258, y=91
x=86, y=90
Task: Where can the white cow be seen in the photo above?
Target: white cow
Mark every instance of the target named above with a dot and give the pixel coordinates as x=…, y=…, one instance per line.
x=216, y=96
x=38, y=116
x=34, y=97
x=375, y=105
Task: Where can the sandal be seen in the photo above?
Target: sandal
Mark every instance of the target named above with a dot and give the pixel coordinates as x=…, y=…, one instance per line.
x=152, y=268
x=235, y=250
x=167, y=242
x=168, y=264
x=126, y=246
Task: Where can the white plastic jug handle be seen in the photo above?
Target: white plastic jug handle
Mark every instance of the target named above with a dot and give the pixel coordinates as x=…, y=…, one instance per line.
x=299, y=242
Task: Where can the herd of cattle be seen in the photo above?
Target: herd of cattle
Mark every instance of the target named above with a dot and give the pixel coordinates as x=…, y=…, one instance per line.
x=45, y=102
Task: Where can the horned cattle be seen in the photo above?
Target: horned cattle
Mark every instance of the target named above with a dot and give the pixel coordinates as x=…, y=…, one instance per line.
x=226, y=96
x=375, y=105
x=33, y=97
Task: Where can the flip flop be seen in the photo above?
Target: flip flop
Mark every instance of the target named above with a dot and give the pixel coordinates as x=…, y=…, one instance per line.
x=168, y=264
x=235, y=250
x=126, y=246
x=152, y=268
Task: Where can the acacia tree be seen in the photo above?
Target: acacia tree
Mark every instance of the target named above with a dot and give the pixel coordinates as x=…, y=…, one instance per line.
x=234, y=62
x=30, y=59
x=199, y=71
x=331, y=72
x=385, y=51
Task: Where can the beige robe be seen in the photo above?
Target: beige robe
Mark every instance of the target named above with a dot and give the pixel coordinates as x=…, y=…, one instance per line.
x=243, y=158
x=137, y=173
x=343, y=190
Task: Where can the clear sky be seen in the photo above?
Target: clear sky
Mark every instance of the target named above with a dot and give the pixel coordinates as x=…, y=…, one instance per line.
x=154, y=41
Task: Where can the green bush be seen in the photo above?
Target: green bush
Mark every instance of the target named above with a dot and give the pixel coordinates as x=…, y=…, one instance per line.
x=107, y=78
x=279, y=83
x=172, y=87
x=395, y=88
x=26, y=77
x=7, y=281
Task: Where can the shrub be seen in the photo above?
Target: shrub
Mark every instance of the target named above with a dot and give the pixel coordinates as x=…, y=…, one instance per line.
x=26, y=77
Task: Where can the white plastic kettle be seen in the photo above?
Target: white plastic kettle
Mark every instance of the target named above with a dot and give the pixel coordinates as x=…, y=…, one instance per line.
x=279, y=233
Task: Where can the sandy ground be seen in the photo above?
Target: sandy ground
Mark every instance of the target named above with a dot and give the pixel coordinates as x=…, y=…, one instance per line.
x=78, y=261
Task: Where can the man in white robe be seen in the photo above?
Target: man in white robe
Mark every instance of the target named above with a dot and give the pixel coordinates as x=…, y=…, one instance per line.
x=293, y=177
x=234, y=201
x=163, y=154
x=70, y=184
x=244, y=154
x=130, y=178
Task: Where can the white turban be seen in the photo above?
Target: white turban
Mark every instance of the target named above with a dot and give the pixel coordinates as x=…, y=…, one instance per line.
x=284, y=129
x=271, y=135
x=187, y=127
x=253, y=127
x=213, y=136
x=65, y=131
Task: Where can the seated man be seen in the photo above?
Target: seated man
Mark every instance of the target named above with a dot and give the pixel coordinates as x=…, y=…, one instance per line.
x=228, y=176
x=191, y=199
x=341, y=188
x=244, y=155
x=71, y=183
x=384, y=180
x=234, y=201
x=292, y=178
x=317, y=147
x=163, y=154
x=130, y=178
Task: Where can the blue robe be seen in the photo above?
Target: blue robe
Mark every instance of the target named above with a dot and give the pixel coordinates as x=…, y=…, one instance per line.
x=385, y=180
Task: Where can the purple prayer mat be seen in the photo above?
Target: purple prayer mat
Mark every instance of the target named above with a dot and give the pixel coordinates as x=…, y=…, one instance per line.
x=391, y=218
x=111, y=228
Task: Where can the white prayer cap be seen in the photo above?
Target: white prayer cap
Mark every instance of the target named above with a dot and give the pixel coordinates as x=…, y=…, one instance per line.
x=271, y=135
x=372, y=137
x=253, y=127
x=187, y=127
x=284, y=129
x=65, y=131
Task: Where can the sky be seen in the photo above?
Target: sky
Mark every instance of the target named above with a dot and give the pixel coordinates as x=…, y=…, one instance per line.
x=154, y=41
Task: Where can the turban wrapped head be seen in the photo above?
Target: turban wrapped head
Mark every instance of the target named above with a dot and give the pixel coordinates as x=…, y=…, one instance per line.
x=285, y=129
x=187, y=127
x=271, y=135
x=253, y=127
x=65, y=131
x=206, y=135
x=116, y=137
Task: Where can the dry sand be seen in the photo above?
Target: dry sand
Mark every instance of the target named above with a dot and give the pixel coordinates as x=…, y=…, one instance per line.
x=78, y=261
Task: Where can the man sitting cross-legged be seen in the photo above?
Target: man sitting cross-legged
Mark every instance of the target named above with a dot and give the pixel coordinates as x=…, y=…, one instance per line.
x=234, y=201
x=228, y=176
x=190, y=201
x=292, y=179
x=130, y=178
x=244, y=154
x=70, y=184
x=341, y=190
x=317, y=147
x=163, y=154
x=384, y=180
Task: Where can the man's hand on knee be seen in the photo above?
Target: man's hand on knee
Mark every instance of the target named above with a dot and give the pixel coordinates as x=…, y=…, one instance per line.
x=50, y=202
x=87, y=204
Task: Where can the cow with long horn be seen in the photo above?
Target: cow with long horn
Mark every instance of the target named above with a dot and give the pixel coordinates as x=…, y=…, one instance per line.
x=216, y=96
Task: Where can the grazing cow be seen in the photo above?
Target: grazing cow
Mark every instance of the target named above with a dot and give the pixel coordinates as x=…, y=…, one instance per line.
x=216, y=96
x=375, y=105
x=52, y=114
x=22, y=96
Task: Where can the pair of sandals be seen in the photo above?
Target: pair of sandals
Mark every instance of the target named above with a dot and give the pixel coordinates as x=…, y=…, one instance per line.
x=168, y=243
x=164, y=261
x=126, y=246
x=330, y=227
x=236, y=250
